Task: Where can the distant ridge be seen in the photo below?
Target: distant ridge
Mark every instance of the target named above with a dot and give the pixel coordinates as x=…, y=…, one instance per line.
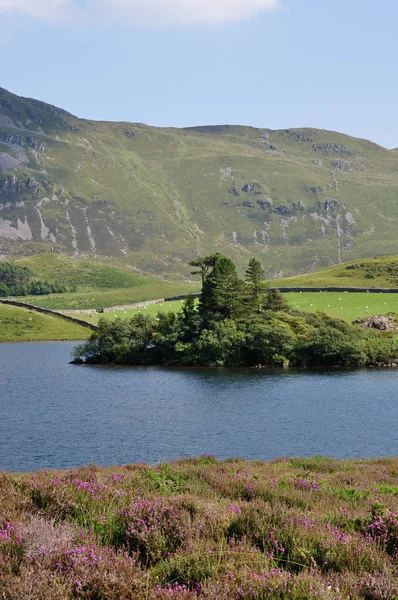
x=154, y=198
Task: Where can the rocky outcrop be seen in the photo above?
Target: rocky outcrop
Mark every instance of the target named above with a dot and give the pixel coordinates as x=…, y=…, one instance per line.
x=329, y=204
x=253, y=188
x=327, y=149
x=382, y=323
x=33, y=186
x=234, y=191
x=10, y=185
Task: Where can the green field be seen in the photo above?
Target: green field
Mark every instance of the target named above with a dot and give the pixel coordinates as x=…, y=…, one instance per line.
x=104, y=285
x=152, y=310
x=21, y=324
x=99, y=299
x=347, y=306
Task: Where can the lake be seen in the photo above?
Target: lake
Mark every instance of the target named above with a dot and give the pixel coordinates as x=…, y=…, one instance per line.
x=57, y=415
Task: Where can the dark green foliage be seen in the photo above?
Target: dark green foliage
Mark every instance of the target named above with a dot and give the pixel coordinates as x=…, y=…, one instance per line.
x=222, y=293
x=235, y=324
x=19, y=281
x=275, y=300
x=12, y=275
x=204, y=265
x=327, y=346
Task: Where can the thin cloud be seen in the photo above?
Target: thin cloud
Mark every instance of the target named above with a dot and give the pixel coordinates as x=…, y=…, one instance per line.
x=42, y=9
x=143, y=12
x=186, y=11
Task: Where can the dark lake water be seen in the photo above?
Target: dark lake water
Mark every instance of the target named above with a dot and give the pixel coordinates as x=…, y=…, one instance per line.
x=56, y=415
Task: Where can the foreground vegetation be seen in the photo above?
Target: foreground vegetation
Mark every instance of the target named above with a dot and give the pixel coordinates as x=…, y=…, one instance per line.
x=22, y=324
x=235, y=323
x=202, y=529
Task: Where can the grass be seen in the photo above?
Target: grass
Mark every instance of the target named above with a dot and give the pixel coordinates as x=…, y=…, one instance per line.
x=380, y=272
x=152, y=310
x=347, y=306
x=98, y=285
x=85, y=274
x=99, y=299
x=20, y=324
x=200, y=529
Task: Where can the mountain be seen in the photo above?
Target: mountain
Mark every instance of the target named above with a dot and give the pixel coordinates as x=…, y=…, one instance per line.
x=154, y=198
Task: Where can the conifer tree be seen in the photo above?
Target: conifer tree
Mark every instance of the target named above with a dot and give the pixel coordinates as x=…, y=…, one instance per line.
x=205, y=265
x=222, y=293
x=255, y=278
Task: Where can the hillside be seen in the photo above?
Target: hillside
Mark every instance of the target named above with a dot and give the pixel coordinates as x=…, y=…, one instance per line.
x=97, y=285
x=368, y=273
x=152, y=198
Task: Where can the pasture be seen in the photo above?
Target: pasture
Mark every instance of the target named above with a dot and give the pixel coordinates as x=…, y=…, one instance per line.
x=346, y=305
x=349, y=306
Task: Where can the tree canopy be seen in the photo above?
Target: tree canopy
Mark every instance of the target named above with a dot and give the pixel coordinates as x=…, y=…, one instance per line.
x=20, y=281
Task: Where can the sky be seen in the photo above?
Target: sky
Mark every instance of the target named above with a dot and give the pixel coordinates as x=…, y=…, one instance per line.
x=330, y=64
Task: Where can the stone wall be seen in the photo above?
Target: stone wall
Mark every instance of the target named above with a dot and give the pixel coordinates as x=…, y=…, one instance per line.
x=47, y=311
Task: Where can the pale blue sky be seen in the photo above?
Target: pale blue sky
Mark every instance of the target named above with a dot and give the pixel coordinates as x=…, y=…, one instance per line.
x=330, y=64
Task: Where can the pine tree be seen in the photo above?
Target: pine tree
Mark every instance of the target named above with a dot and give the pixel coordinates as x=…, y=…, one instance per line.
x=222, y=293
x=255, y=278
x=205, y=265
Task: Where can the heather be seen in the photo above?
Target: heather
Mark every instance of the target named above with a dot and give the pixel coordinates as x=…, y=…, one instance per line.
x=200, y=528
x=236, y=323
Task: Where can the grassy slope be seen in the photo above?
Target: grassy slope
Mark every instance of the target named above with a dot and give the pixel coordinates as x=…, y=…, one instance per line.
x=85, y=274
x=99, y=285
x=20, y=324
x=159, y=197
x=380, y=272
x=293, y=528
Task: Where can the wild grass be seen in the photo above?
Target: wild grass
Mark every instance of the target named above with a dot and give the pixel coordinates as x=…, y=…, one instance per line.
x=202, y=529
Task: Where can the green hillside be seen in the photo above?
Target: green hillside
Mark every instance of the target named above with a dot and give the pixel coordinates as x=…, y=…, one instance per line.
x=153, y=199
x=381, y=272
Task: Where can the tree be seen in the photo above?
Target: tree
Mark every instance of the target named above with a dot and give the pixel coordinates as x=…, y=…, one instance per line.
x=222, y=293
x=255, y=273
x=205, y=265
x=275, y=301
x=255, y=278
